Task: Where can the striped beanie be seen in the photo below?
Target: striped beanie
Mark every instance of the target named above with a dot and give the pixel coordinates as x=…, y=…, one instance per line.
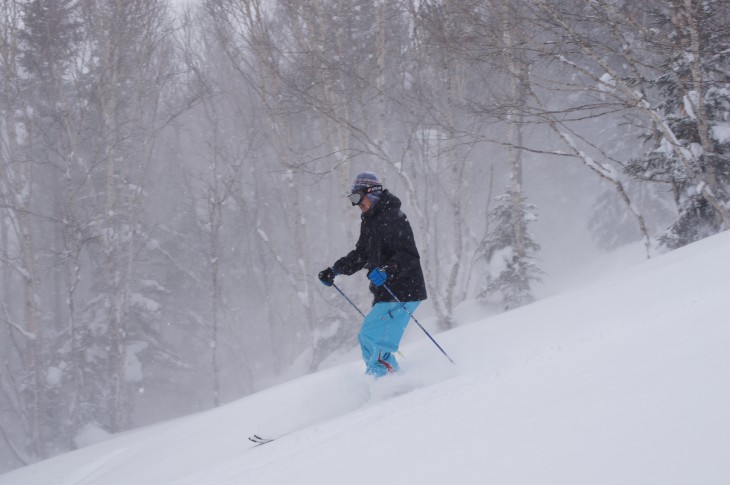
x=364, y=180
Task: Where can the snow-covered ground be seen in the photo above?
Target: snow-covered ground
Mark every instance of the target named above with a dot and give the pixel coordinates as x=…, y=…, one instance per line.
x=623, y=382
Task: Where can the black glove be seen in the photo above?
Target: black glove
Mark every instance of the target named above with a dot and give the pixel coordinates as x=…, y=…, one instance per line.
x=327, y=276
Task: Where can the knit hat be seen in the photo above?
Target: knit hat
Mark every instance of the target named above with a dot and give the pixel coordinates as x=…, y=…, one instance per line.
x=365, y=180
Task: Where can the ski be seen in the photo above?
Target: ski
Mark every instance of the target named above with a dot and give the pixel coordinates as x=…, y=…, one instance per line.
x=260, y=440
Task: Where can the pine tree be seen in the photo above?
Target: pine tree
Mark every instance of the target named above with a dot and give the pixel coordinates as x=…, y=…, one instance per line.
x=695, y=104
x=512, y=268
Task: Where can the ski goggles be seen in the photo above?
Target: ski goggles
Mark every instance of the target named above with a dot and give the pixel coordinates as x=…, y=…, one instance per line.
x=356, y=197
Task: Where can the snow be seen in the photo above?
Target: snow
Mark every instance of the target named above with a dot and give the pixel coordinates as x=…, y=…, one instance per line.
x=689, y=102
x=90, y=435
x=327, y=331
x=607, y=83
x=721, y=132
x=262, y=234
x=145, y=303
x=54, y=376
x=133, y=372
x=621, y=382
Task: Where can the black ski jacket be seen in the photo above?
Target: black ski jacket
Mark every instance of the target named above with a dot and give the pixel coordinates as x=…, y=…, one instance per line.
x=386, y=238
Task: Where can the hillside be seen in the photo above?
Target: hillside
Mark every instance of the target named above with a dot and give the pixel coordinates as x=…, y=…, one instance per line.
x=623, y=382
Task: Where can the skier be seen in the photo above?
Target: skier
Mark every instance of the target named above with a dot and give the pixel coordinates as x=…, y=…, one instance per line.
x=387, y=249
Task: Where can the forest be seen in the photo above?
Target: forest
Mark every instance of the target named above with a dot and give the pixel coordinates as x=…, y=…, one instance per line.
x=173, y=175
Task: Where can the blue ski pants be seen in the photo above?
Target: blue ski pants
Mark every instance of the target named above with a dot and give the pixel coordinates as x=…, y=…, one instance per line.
x=381, y=333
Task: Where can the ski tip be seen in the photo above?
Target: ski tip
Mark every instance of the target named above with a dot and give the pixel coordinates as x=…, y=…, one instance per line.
x=259, y=440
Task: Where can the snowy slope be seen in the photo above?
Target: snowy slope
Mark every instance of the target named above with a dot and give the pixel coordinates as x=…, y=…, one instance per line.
x=623, y=382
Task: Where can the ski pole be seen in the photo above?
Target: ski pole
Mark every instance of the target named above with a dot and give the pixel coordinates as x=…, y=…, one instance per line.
x=350, y=301
x=417, y=323
x=353, y=305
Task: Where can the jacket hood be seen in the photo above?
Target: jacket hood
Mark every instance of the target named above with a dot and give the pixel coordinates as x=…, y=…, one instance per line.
x=387, y=201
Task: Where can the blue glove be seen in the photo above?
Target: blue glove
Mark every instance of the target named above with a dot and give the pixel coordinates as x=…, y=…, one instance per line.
x=378, y=276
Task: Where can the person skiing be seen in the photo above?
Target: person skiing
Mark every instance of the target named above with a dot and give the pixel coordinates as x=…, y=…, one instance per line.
x=387, y=249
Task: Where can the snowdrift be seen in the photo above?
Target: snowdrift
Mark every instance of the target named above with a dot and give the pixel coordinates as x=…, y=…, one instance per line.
x=623, y=382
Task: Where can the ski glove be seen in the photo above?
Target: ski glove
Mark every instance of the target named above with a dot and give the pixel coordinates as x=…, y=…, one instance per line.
x=327, y=276
x=378, y=276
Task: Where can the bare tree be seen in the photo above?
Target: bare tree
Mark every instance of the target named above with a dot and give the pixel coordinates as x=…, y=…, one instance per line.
x=17, y=178
x=612, y=51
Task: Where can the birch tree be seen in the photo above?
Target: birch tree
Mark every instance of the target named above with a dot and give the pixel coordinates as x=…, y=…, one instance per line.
x=612, y=49
x=25, y=387
x=127, y=72
x=222, y=157
x=50, y=49
x=262, y=50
